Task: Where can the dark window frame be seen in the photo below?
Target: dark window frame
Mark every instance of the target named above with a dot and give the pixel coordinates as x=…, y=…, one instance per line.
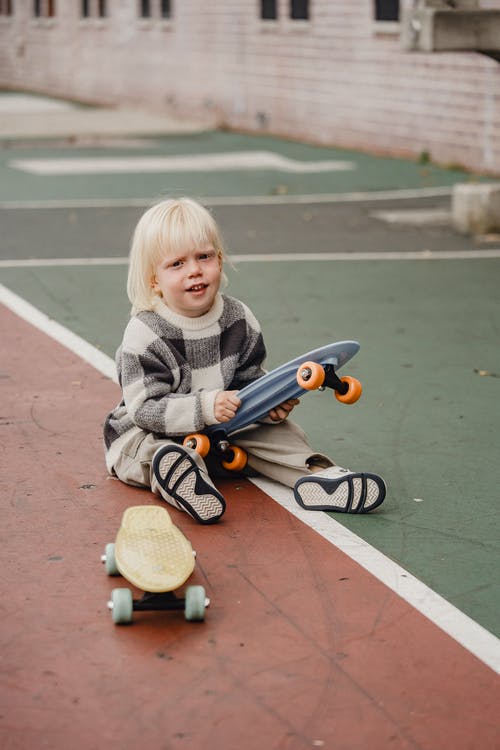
x=44, y=8
x=155, y=10
x=386, y=10
x=145, y=9
x=94, y=9
x=165, y=9
x=269, y=10
x=6, y=8
x=299, y=10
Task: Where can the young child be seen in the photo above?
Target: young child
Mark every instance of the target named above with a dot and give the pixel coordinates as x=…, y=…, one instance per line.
x=186, y=352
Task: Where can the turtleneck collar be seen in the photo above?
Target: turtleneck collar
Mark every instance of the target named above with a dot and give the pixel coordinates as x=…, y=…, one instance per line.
x=191, y=324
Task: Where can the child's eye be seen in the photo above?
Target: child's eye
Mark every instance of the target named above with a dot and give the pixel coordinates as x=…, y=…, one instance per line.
x=176, y=264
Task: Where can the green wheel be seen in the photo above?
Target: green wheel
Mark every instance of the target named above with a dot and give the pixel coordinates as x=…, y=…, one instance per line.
x=194, y=608
x=110, y=560
x=121, y=606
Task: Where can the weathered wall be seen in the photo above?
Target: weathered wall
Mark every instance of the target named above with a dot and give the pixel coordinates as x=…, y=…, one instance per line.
x=333, y=79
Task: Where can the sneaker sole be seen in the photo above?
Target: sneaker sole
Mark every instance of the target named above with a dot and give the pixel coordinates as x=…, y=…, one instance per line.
x=356, y=493
x=180, y=477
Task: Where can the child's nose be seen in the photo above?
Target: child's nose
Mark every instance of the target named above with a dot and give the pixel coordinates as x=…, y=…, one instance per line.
x=194, y=266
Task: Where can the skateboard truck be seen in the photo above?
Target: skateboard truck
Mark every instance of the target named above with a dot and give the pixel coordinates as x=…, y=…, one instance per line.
x=312, y=376
x=330, y=378
x=164, y=601
x=233, y=457
x=333, y=381
x=221, y=443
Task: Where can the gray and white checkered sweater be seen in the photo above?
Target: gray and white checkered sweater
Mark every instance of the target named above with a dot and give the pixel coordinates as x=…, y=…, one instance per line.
x=170, y=369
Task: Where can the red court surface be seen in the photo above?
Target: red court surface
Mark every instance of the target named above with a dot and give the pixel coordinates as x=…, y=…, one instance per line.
x=301, y=647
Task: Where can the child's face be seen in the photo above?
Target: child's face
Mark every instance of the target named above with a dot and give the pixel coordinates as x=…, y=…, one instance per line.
x=189, y=282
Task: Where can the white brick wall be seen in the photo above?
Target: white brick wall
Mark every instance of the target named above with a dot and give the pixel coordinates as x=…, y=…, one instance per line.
x=332, y=80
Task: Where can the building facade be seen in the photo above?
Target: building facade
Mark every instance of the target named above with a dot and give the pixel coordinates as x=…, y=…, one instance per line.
x=327, y=71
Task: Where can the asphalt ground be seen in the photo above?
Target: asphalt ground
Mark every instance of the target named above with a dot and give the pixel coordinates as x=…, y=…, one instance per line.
x=301, y=646
x=355, y=227
x=421, y=299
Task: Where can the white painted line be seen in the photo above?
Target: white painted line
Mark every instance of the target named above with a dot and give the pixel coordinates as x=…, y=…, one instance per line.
x=35, y=205
x=270, y=258
x=410, y=255
x=59, y=333
x=25, y=104
x=238, y=200
x=61, y=262
x=226, y=161
x=472, y=636
x=417, y=217
x=446, y=616
x=354, y=197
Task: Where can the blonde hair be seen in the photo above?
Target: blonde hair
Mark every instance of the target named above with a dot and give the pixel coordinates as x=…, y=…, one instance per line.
x=167, y=228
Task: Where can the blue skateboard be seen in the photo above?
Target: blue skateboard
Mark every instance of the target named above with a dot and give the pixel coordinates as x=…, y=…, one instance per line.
x=314, y=370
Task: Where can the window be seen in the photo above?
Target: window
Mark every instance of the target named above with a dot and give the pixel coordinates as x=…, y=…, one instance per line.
x=145, y=9
x=165, y=9
x=6, y=8
x=269, y=10
x=387, y=10
x=155, y=9
x=299, y=10
x=44, y=8
x=94, y=8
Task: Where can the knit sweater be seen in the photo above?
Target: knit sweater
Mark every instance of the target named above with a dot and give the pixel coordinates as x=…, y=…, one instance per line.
x=171, y=367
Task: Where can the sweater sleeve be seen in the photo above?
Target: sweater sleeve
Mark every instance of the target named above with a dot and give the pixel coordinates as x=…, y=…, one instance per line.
x=253, y=358
x=153, y=380
x=253, y=354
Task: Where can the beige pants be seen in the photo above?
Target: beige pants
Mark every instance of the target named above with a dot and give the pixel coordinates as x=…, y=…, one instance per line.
x=277, y=451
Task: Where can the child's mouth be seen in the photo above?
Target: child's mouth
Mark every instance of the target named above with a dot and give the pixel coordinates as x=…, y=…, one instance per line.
x=197, y=288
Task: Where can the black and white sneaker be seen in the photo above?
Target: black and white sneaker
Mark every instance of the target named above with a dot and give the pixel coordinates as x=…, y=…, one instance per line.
x=340, y=490
x=188, y=486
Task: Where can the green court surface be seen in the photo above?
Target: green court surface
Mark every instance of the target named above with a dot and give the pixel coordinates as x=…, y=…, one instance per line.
x=366, y=173
x=429, y=333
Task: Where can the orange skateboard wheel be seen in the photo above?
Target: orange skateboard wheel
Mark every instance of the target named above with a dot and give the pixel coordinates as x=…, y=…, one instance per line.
x=310, y=376
x=200, y=443
x=353, y=393
x=239, y=460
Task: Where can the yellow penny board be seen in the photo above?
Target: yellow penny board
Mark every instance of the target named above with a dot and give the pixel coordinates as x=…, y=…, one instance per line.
x=151, y=552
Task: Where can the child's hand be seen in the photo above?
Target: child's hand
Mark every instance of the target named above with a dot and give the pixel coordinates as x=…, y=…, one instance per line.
x=226, y=405
x=283, y=410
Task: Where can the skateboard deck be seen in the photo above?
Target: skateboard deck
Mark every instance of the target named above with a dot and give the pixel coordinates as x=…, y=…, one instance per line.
x=280, y=384
x=151, y=552
x=277, y=386
x=155, y=556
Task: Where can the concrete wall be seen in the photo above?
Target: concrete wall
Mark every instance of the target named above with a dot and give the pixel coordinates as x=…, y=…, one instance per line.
x=335, y=79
